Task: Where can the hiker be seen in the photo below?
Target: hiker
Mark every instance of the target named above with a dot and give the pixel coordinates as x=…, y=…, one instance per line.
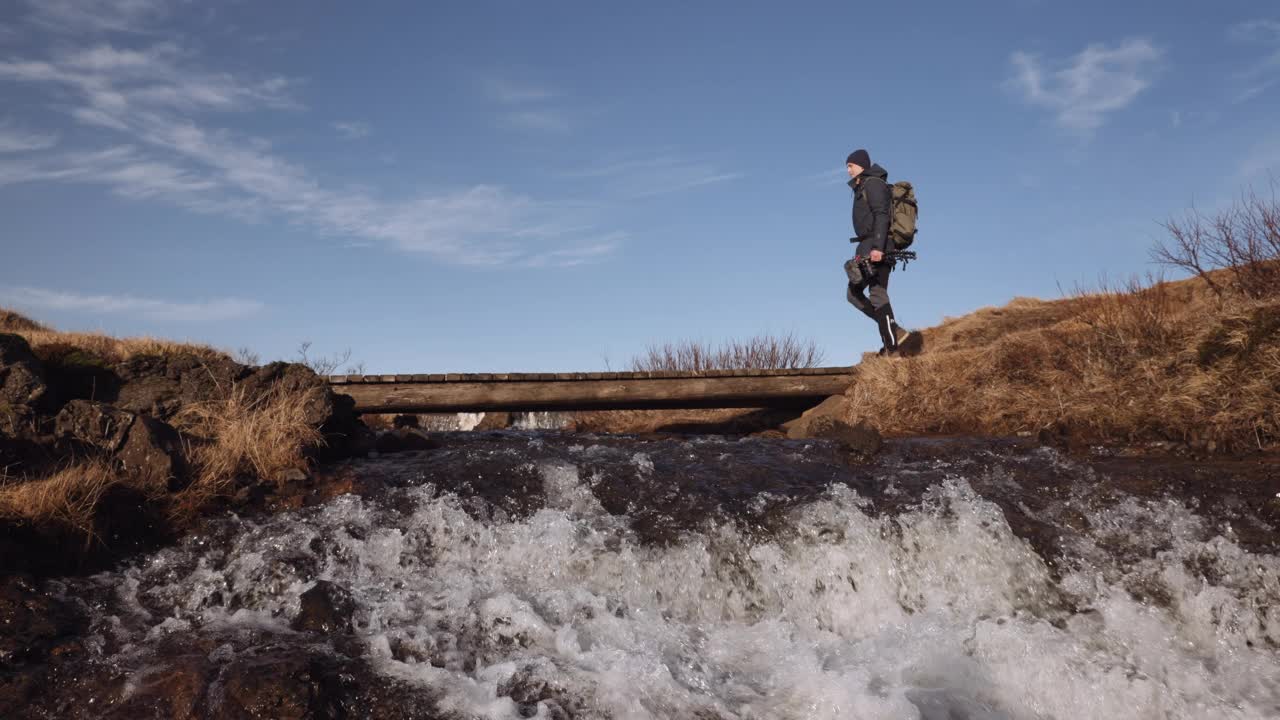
x=869, y=269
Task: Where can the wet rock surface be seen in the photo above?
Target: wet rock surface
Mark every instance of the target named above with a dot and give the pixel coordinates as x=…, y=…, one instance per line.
x=326, y=608
x=565, y=576
x=21, y=375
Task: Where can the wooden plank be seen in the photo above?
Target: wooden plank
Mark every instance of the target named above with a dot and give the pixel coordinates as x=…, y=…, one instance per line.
x=533, y=395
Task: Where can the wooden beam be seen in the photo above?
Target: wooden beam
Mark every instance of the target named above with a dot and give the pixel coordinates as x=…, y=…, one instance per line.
x=789, y=391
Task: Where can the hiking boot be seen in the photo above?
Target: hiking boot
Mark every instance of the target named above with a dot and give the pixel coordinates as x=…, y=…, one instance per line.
x=911, y=344
x=899, y=333
x=889, y=352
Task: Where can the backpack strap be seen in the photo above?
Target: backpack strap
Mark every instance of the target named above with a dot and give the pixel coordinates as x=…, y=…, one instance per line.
x=887, y=189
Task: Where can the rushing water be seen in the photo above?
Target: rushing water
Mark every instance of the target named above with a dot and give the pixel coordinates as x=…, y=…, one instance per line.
x=527, y=575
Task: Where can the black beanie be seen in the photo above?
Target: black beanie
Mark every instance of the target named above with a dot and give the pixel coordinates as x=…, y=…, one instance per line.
x=859, y=157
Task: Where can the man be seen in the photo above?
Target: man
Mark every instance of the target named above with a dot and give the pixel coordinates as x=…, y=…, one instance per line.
x=868, y=270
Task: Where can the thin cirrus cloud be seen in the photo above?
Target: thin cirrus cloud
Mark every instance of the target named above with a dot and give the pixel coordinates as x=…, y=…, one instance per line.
x=1083, y=90
x=525, y=105
x=90, y=16
x=1264, y=72
x=638, y=177
x=353, y=130
x=14, y=139
x=156, y=101
x=149, y=308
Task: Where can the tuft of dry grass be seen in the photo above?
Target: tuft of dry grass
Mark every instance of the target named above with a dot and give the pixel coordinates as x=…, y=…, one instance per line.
x=1139, y=360
x=765, y=352
x=239, y=435
x=68, y=497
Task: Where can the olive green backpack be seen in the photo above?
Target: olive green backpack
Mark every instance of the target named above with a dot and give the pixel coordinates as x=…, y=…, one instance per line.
x=902, y=214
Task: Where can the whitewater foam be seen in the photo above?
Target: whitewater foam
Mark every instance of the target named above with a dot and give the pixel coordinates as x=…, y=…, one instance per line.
x=939, y=611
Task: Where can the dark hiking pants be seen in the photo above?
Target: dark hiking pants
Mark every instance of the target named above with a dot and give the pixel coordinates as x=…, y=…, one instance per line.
x=869, y=292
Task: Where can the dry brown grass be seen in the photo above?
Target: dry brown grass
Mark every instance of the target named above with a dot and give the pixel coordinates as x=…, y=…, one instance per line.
x=46, y=342
x=68, y=497
x=227, y=438
x=239, y=435
x=1138, y=361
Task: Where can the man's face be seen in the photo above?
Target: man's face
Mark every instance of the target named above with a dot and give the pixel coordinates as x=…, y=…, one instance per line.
x=854, y=170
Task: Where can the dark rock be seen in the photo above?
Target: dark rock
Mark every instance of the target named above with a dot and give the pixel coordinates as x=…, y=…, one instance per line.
x=74, y=373
x=36, y=630
x=861, y=439
x=25, y=447
x=326, y=608
x=494, y=421
x=152, y=454
x=828, y=421
x=294, y=379
x=176, y=691
x=21, y=375
x=17, y=421
x=32, y=622
x=161, y=386
x=404, y=440
x=94, y=424
x=405, y=421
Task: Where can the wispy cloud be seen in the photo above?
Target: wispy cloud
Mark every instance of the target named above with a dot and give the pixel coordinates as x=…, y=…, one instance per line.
x=80, y=16
x=578, y=256
x=1083, y=90
x=353, y=130
x=546, y=120
x=640, y=177
x=510, y=92
x=149, y=308
x=155, y=100
x=1263, y=72
x=14, y=139
x=526, y=106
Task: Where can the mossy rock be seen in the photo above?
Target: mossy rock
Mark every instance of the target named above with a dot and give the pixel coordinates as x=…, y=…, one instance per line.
x=68, y=355
x=74, y=373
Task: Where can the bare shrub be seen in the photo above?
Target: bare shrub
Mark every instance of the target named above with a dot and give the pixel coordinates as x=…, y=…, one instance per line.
x=68, y=497
x=764, y=352
x=1243, y=239
x=247, y=356
x=323, y=364
x=1132, y=318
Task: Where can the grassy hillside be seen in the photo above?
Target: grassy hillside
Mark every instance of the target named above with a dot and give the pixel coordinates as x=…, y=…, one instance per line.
x=1161, y=360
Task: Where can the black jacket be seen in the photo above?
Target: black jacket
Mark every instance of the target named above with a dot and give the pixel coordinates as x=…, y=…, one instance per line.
x=871, y=197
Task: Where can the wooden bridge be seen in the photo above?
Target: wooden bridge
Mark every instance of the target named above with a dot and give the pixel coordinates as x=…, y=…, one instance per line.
x=527, y=392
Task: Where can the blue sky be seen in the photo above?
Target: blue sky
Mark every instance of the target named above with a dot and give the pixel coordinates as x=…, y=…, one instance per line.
x=492, y=186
